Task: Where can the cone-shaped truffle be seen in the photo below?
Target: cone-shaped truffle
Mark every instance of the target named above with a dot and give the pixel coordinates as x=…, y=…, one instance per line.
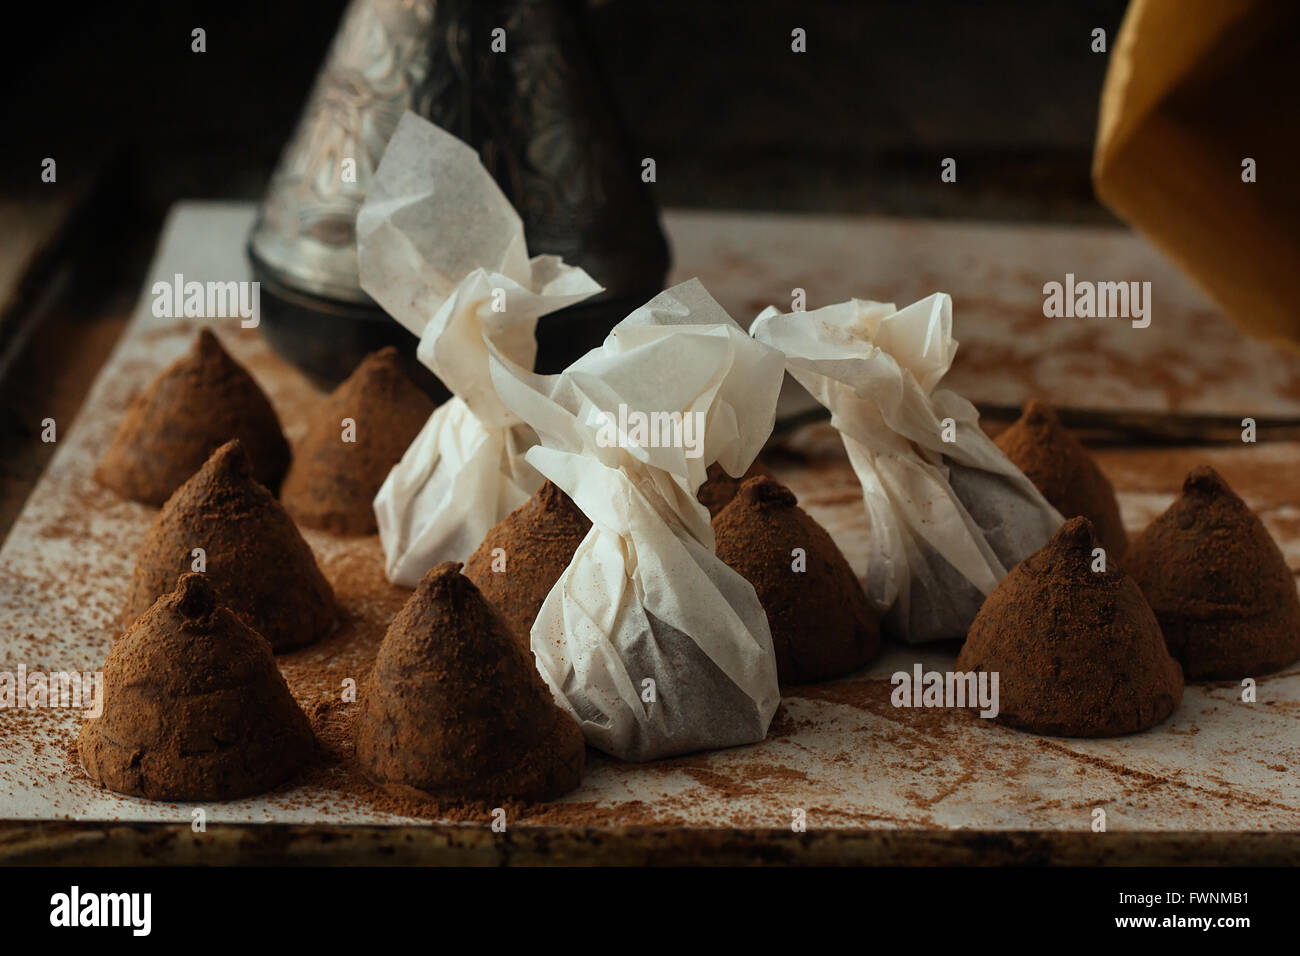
x=822, y=624
x=455, y=709
x=337, y=469
x=530, y=548
x=1061, y=468
x=719, y=487
x=194, y=707
x=1078, y=652
x=196, y=404
x=1219, y=586
x=256, y=561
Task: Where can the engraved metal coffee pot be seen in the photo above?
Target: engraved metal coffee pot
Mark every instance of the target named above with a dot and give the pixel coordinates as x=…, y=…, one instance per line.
x=541, y=117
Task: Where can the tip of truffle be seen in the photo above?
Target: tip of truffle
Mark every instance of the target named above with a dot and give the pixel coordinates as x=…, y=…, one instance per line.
x=1205, y=480
x=444, y=578
x=1038, y=412
x=384, y=369
x=386, y=360
x=230, y=460
x=550, y=496
x=193, y=597
x=1077, y=534
x=762, y=492
x=206, y=343
x=444, y=586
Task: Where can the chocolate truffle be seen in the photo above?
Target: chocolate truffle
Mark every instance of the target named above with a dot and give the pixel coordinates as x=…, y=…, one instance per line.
x=822, y=624
x=1078, y=653
x=256, y=561
x=454, y=708
x=719, y=487
x=1061, y=468
x=536, y=543
x=1222, y=591
x=196, y=404
x=332, y=482
x=194, y=707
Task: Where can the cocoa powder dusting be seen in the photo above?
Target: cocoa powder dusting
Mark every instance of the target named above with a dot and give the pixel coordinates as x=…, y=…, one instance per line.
x=719, y=487
x=843, y=731
x=536, y=542
x=822, y=624
x=255, y=559
x=195, y=405
x=332, y=482
x=455, y=709
x=194, y=707
x=1061, y=468
x=1218, y=584
x=1078, y=651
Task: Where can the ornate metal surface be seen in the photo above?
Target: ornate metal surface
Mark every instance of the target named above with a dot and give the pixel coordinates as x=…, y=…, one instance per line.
x=305, y=233
x=538, y=111
x=541, y=117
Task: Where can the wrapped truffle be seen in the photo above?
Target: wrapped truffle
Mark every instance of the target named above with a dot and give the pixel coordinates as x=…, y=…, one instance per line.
x=652, y=642
x=949, y=514
x=442, y=250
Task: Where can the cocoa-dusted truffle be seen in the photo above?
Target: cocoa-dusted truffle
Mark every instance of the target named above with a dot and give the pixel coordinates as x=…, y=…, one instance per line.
x=332, y=482
x=1061, y=468
x=454, y=708
x=198, y=403
x=535, y=543
x=1222, y=591
x=194, y=707
x=719, y=487
x=256, y=561
x=822, y=624
x=1078, y=652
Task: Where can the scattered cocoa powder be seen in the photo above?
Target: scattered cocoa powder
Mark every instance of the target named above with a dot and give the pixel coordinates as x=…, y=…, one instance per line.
x=255, y=559
x=196, y=404
x=822, y=624
x=923, y=744
x=1061, y=468
x=1218, y=584
x=537, y=540
x=455, y=708
x=1078, y=652
x=332, y=483
x=194, y=707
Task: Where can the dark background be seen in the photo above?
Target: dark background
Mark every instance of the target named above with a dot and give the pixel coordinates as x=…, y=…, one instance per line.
x=858, y=124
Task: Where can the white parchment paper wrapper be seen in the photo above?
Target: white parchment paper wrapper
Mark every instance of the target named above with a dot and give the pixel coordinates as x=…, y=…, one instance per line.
x=948, y=520
x=439, y=246
x=654, y=645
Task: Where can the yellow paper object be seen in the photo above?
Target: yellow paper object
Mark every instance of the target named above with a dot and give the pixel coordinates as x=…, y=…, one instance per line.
x=1201, y=97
